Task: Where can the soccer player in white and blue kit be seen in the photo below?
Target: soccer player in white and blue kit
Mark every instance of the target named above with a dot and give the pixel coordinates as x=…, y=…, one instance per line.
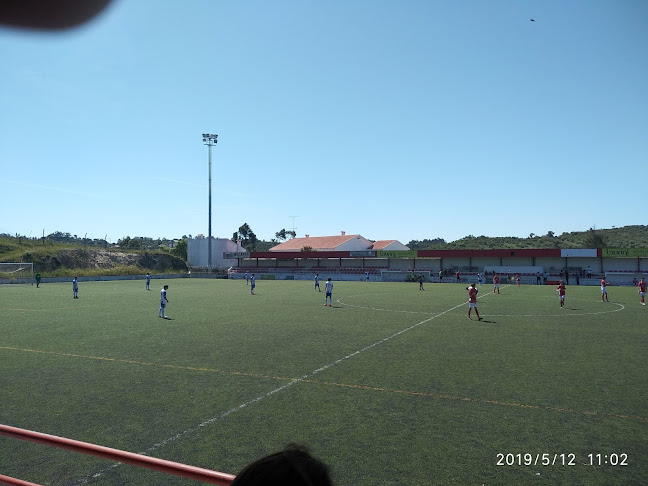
x=317, y=287
x=479, y=279
x=148, y=281
x=329, y=293
x=75, y=288
x=252, y=284
x=163, y=302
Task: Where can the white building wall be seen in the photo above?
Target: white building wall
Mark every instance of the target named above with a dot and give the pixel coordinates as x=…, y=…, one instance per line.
x=551, y=264
x=397, y=264
x=428, y=264
x=621, y=265
x=286, y=262
x=375, y=262
x=594, y=263
x=517, y=261
x=198, y=254
x=356, y=244
x=458, y=262
x=396, y=246
x=481, y=262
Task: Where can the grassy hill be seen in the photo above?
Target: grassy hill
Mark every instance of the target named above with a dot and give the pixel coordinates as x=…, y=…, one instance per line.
x=625, y=237
x=65, y=259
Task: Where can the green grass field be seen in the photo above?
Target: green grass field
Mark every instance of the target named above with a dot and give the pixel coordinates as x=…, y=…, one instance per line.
x=391, y=385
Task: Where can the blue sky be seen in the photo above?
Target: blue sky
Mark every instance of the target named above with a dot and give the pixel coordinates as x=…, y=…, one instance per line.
x=395, y=120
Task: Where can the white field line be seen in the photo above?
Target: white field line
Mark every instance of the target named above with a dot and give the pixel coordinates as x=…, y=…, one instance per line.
x=378, y=309
x=567, y=313
x=257, y=399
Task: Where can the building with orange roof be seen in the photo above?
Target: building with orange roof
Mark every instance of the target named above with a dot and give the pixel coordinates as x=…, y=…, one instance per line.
x=342, y=242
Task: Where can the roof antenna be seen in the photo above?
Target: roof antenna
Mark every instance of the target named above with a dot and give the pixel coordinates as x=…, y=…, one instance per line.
x=293, y=223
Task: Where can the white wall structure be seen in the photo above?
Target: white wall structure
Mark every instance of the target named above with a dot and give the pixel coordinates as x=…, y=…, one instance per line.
x=389, y=245
x=357, y=243
x=198, y=254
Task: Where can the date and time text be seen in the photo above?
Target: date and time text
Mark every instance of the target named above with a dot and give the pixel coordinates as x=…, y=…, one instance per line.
x=563, y=459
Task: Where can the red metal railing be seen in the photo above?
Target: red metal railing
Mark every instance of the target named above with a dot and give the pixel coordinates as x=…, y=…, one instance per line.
x=139, y=460
x=8, y=480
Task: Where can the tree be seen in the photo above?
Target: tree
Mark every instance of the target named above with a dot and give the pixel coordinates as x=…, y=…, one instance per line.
x=247, y=236
x=593, y=239
x=134, y=243
x=425, y=244
x=284, y=234
x=180, y=249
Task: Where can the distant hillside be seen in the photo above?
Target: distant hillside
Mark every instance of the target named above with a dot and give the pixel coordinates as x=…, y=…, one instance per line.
x=62, y=259
x=625, y=237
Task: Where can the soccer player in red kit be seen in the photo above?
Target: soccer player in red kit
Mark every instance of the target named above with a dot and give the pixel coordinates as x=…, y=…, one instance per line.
x=496, y=283
x=561, y=292
x=604, y=297
x=642, y=291
x=472, y=300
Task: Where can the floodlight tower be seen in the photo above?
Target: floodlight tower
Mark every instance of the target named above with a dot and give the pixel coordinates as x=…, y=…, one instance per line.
x=210, y=140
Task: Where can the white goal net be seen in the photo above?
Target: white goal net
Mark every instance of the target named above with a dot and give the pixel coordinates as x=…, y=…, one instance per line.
x=404, y=276
x=17, y=273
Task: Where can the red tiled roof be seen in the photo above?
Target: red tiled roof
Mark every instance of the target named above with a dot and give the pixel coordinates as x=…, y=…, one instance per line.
x=315, y=242
x=381, y=244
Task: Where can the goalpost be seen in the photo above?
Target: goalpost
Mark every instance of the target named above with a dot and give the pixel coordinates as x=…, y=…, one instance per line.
x=404, y=275
x=17, y=273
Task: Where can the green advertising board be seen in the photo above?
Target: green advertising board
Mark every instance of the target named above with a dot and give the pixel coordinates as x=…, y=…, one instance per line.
x=397, y=254
x=625, y=252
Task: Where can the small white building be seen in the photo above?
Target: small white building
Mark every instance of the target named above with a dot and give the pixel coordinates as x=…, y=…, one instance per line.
x=389, y=245
x=198, y=252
